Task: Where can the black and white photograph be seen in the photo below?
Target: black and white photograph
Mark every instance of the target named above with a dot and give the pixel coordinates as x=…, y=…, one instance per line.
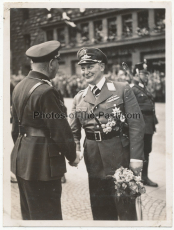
x=87, y=114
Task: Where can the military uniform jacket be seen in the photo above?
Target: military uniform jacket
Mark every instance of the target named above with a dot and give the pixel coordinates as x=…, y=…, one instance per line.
x=102, y=158
x=36, y=157
x=147, y=106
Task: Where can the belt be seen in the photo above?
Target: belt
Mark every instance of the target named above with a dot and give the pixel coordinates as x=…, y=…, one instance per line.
x=98, y=136
x=30, y=131
x=147, y=112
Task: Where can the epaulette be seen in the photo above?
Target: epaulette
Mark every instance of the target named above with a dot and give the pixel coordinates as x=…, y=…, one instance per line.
x=131, y=85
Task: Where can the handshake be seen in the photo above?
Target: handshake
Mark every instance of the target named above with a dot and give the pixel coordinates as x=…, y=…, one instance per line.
x=79, y=156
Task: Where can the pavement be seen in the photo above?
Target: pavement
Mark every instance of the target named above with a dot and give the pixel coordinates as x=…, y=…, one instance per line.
x=75, y=193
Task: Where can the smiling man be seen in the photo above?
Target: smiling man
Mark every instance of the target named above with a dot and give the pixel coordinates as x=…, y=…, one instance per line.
x=105, y=152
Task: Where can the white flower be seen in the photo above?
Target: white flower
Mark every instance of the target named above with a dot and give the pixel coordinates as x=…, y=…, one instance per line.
x=109, y=129
x=113, y=123
x=103, y=126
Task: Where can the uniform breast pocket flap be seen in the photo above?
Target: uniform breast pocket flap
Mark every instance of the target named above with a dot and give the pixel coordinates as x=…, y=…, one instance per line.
x=114, y=103
x=81, y=109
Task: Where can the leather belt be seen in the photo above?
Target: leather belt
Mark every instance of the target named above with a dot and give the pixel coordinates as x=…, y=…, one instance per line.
x=147, y=112
x=30, y=131
x=99, y=136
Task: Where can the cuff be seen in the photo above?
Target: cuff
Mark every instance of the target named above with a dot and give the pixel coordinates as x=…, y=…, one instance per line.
x=135, y=160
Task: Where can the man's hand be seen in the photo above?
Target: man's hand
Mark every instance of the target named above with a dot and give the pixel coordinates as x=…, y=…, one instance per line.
x=77, y=160
x=136, y=167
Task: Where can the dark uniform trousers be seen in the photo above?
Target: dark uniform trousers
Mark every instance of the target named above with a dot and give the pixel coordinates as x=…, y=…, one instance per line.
x=147, y=146
x=40, y=200
x=102, y=202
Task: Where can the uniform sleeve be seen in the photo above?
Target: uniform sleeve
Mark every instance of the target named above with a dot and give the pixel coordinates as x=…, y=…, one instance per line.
x=136, y=124
x=75, y=126
x=15, y=127
x=58, y=126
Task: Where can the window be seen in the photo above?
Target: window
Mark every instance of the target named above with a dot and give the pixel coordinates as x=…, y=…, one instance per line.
x=49, y=35
x=27, y=41
x=72, y=36
x=143, y=19
x=98, y=31
x=127, y=25
x=159, y=20
x=143, y=28
x=25, y=14
x=85, y=32
x=112, y=29
x=61, y=36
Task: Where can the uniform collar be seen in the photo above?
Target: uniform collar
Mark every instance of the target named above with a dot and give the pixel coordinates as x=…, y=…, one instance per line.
x=105, y=94
x=138, y=83
x=35, y=74
x=99, y=84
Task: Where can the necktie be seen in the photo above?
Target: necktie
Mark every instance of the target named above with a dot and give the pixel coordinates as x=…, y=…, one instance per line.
x=96, y=91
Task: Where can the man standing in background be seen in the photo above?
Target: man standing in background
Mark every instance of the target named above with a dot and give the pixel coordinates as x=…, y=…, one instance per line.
x=147, y=106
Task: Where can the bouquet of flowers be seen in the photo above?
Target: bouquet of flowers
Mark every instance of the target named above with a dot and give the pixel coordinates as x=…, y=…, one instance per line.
x=127, y=185
x=116, y=121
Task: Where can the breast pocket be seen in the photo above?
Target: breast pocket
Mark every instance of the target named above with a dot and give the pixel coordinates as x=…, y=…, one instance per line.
x=141, y=97
x=110, y=105
x=81, y=113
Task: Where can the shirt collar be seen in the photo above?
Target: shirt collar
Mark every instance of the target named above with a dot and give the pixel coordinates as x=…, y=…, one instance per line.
x=99, y=84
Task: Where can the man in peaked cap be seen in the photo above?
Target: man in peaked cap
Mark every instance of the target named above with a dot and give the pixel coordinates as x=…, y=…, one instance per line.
x=147, y=106
x=42, y=141
x=105, y=152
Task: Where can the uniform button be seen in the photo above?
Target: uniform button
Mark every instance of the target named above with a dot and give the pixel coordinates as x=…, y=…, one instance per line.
x=97, y=126
x=96, y=107
x=97, y=117
x=25, y=135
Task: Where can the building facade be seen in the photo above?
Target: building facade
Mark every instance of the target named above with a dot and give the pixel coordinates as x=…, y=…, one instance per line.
x=125, y=35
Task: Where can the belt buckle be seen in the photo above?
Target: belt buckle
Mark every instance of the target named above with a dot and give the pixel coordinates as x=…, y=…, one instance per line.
x=97, y=135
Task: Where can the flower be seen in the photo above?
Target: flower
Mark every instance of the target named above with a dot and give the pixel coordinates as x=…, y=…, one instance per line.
x=116, y=111
x=109, y=129
x=113, y=123
x=103, y=126
x=126, y=184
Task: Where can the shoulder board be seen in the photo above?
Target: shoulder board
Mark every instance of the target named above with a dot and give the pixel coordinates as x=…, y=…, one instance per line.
x=132, y=85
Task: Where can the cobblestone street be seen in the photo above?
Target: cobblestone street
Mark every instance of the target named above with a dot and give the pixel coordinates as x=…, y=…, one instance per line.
x=75, y=194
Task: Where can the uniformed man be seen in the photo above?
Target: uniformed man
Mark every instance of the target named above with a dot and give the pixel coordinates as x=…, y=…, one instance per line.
x=147, y=106
x=105, y=152
x=42, y=141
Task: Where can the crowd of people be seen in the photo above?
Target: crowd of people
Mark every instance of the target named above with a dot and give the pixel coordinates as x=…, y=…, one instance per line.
x=69, y=86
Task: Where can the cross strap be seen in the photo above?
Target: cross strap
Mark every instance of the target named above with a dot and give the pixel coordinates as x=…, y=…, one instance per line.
x=26, y=99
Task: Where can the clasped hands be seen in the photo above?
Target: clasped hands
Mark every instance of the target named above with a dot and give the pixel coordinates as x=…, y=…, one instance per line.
x=79, y=156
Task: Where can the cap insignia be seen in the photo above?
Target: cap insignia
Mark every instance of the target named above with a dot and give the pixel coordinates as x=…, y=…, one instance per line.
x=85, y=57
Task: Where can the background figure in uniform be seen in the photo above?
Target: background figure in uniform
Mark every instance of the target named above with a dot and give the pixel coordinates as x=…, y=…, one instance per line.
x=147, y=106
x=105, y=152
x=41, y=142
